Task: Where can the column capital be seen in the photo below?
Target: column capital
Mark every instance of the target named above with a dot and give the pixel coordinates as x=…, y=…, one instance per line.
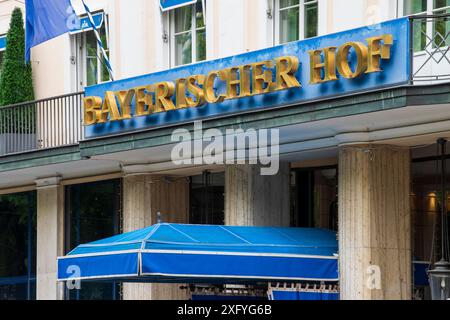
x=136, y=170
x=48, y=182
x=352, y=138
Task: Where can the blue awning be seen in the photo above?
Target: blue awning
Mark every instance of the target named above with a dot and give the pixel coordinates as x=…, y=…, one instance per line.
x=85, y=25
x=167, y=5
x=2, y=42
x=303, y=295
x=206, y=253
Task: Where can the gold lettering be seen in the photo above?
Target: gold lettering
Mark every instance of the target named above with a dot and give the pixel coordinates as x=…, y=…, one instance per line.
x=208, y=88
x=245, y=74
x=378, y=51
x=195, y=90
x=327, y=67
x=92, y=110
x=110, y=108
x=361, y=59
x=144, y=101
x=163, y=94
x=262, y=77
x=286, y=69
x=237, y=78
x=125, y=97
x=180, y=93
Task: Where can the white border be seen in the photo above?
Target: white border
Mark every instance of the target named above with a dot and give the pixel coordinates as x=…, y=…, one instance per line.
x=98, y=277
x=83, y=255
x=250, y=254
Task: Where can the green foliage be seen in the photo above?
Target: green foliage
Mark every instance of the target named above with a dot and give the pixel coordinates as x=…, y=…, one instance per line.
x=16, y=84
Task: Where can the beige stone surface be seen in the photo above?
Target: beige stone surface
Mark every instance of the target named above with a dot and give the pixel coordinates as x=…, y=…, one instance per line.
x=143, y=197
x=374, y=221
x=255, y=200
x=50, y=241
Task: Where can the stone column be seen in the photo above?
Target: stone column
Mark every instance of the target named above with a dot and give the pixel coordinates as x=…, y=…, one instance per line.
x=255, y=200
x=50, y=238
x=144, y=196
x=374, y=222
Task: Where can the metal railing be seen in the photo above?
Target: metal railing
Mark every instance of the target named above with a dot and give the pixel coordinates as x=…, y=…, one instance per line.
x=430, y=49
x=41, y=124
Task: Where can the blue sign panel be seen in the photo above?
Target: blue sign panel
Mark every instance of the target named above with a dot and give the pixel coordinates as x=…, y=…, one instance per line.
x=394, y=70
x=2, y=43
x=173, y=4
x=86, y=26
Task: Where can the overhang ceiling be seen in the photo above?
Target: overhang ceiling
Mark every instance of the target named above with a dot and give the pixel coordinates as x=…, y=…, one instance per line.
x=414, y=126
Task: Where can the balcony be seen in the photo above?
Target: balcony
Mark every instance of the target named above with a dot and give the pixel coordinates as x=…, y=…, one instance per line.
x=57, y=121
x=41, y=124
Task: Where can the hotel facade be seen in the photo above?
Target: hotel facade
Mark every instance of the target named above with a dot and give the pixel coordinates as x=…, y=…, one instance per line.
x=357, y=91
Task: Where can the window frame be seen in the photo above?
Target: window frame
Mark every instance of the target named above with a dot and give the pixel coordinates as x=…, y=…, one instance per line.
x=28, y=279
x=301, y=22
x=429, y=10
x=193, y=30
x=82, y=54
x=74, y=190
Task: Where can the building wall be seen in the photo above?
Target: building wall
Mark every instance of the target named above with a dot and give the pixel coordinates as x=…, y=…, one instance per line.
x=137, y=28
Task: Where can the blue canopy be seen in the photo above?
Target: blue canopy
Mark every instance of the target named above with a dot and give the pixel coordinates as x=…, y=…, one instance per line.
x=206, y=253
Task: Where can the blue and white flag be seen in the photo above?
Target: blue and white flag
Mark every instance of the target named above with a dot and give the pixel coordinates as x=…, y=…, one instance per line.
x=45, y=20
x=91, y=21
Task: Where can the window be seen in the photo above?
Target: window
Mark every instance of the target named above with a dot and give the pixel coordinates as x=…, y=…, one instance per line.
x=188, y=34
x=207, y=198
x=96, y=71
x=92, y=68
x=18, y=246
x=92, y=213
x=297, y=20
x=426, y=204
x=424, y=30
x=314, y=198
x=441, y=28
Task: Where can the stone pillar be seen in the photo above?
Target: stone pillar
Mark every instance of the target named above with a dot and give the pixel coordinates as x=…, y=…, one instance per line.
x=374, y=223
x=255, y=200
x=144, y=196
x=50, y=238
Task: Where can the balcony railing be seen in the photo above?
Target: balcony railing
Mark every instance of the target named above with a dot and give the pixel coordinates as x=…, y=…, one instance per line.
x=430, y=49
x=57, y=121
x=41, y=124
